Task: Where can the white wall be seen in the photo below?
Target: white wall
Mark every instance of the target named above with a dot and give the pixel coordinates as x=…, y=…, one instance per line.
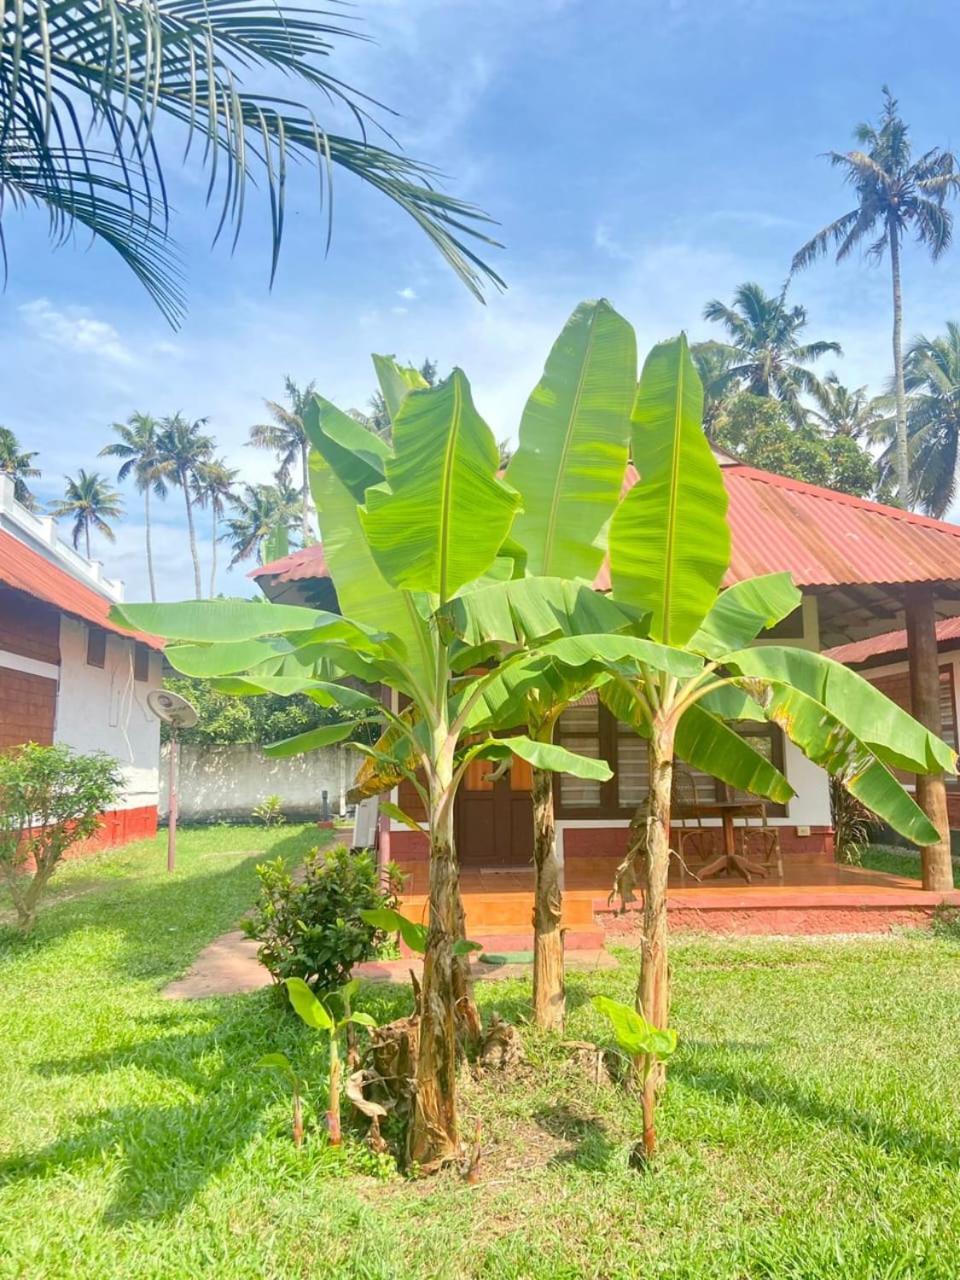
x=105, y=709
x=228, y=781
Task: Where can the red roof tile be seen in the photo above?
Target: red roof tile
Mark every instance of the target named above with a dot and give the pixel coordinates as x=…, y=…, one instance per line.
x=891, y=643
x=822, y=537
x=26, y=570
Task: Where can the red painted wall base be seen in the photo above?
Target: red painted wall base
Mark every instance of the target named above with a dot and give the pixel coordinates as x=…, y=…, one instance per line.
x=118, y=826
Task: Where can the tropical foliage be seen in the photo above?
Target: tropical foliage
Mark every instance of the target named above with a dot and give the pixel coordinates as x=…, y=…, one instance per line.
x=896, y=194
x=100, y=103
x=258, y=513
x=91, y=504
x=138, y=447
x=285, y=436
x=18, y=464
x=766, y=354
x=932, y=382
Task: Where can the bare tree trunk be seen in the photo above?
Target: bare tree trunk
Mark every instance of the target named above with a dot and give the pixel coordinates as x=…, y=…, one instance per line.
x=469, y=1026
x=549, y=995
x=900, y=395
x=193, y=536
x=434, y=1137
x=146, y=526
x=653, y=989
x=86, y=536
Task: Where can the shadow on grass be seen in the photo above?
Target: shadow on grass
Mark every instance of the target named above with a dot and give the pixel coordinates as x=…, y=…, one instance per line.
x=919, y=1145
x=590, y=1145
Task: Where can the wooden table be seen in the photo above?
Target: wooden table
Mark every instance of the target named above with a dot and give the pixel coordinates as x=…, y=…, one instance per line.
x=727, y=811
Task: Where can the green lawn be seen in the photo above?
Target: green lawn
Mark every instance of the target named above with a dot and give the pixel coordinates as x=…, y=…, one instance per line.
x=811, y=1127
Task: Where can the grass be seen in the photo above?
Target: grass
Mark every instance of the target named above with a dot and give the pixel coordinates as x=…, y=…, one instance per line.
x=810, y=1129
x=893, y=859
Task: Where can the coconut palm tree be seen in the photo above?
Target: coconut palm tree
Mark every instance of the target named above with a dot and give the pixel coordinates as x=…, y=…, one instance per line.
x=768, y=357
x=213, y=486
x=895, y=194
x=714, y=361
x=92, y=504
x=138, y=446
x=932, y=384
x=18, y=464
x=260, y=510
x=99, y=100
x=287, y=438
x=841, y=411
x=183, y=448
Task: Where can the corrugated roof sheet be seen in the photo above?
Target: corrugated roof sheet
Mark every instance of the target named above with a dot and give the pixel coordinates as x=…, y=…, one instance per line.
x=822, y=537
x=26, y=570
x=892, y=644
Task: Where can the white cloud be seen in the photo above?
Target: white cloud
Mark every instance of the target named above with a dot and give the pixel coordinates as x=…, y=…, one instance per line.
x=75, y=329
x=407, y=293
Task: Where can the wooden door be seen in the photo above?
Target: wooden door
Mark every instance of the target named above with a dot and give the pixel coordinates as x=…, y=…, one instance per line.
x=494, y=820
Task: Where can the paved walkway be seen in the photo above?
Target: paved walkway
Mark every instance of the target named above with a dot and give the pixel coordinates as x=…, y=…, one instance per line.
x=229, y=967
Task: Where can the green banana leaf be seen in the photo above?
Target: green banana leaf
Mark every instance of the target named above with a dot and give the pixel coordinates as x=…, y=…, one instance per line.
x=276, y=545
x=542, y=755
x=206, y=660
x=629, y=653
x=214, y=621
x=572, y=453
x=324, y=736
x=669, y=539
x=888, y=731
x=442, y=515
x=307, y=1006
x=740, y=613
x=826, y=740
x=396, y=381
x=322, y=692
x=356, y=454
x=528, y=610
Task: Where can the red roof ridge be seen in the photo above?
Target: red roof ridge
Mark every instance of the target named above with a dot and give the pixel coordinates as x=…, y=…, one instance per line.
x=843, y=499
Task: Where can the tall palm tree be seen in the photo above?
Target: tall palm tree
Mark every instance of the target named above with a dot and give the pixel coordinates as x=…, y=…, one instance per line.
x=932, y=383
x=714, y=360
x=768, y=358
x=98, y=101
x=92, y=504
x=183, y=448
x=18, y=464
x=841, y=411
x=259, y=510
x=213, y=485
x=138, y=446
x=895, y=194
x=286, y=436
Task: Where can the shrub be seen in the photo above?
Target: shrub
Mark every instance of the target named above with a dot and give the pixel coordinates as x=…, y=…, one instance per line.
x=312, y=929
x=270, y=812
x=50, y=798
x=853, y=824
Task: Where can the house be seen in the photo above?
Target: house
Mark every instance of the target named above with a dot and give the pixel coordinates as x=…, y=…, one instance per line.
x=69, y=675
x=862, y=568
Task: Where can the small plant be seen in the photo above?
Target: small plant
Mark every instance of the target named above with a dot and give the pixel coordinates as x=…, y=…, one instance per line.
x=50, y=799
x=280, y=1062
x=413, y=934
x=314, y=930
x=853, y=824
x=269, y=812
x=317, y=1015
x=645, y=1046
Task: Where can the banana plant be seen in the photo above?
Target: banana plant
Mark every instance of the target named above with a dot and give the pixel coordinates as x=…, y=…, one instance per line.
x=698, y=669
x=281, y=1063
x=414, y=935
x=316, y=1015
x=645, y=1045
x=417, y=537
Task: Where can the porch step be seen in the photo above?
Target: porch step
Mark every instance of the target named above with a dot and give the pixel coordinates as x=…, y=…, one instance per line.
x=498, y=943
x=506, y=912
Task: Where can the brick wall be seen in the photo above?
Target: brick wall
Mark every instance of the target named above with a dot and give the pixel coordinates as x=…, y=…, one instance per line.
x=28, y=708
x=28, y=627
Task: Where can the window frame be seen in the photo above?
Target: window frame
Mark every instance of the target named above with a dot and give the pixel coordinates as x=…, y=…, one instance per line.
x=96, y=648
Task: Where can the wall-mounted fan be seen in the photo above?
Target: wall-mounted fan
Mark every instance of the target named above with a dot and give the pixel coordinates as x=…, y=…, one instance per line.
x=178, y=713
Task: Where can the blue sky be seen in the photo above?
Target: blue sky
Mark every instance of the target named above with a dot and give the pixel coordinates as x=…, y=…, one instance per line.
x=657, y=152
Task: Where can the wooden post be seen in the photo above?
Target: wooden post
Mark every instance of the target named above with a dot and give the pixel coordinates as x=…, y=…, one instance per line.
x=925, y=704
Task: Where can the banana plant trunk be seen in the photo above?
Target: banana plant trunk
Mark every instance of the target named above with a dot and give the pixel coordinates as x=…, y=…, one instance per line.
x=434, y=1137
x=549, y=995
x=653, y=990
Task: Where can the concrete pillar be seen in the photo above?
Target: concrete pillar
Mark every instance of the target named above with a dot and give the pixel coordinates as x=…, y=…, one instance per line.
x=925, y=702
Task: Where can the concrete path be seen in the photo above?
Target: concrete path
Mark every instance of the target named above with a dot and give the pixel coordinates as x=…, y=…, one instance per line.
x=229, y=967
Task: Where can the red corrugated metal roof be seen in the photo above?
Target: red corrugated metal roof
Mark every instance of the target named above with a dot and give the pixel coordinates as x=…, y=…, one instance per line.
x=26, y=570
x=891, y=643
x=822, y=537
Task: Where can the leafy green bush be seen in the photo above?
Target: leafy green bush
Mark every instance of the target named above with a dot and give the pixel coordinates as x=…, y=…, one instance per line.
x=50, y=798
x=269, y=811
x=853, y=824
x=313, y=929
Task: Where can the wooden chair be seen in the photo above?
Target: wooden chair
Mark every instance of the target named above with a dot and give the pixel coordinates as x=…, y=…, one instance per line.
x=760, y=842
x=695, y=840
